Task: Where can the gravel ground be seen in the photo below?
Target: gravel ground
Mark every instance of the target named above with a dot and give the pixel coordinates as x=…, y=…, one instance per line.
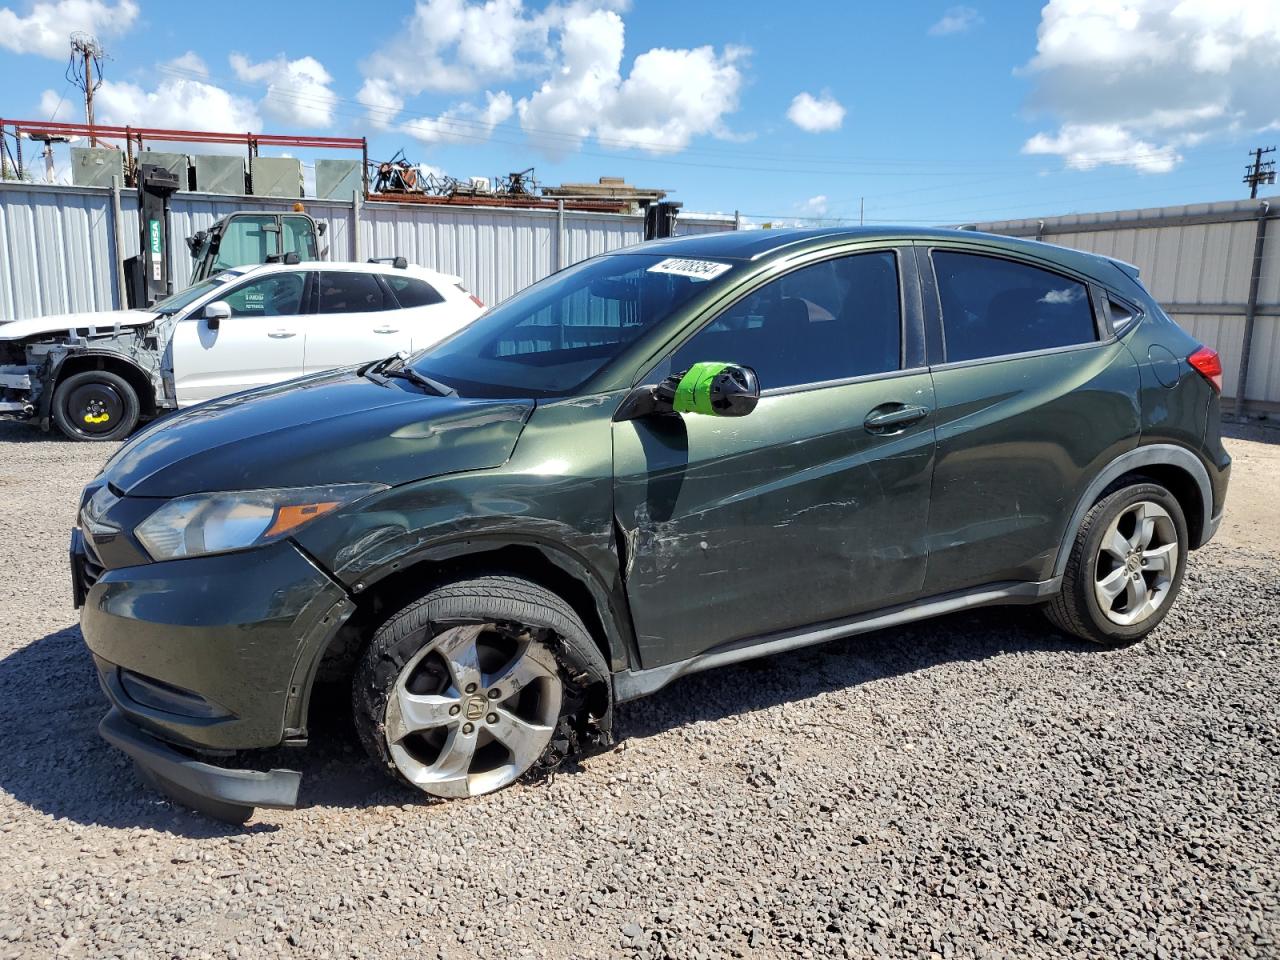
x=975, y=786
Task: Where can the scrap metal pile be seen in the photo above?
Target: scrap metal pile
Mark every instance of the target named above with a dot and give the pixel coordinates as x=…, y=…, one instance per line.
x=401, y=180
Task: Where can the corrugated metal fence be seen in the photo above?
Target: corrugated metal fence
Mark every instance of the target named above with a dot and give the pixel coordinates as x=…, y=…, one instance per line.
x=58, y=244
x=1214, y=267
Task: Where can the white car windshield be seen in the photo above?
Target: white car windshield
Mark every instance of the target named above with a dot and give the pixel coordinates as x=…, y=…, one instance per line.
x=190, y=295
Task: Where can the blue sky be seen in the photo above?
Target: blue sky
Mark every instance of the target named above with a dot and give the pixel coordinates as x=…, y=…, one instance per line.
x=932, y=112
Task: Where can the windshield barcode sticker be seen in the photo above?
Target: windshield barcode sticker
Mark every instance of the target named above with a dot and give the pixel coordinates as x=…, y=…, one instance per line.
x=693, y=269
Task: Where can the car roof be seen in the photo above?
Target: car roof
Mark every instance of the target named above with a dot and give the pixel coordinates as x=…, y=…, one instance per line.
x=412, y=269
x=766, y=244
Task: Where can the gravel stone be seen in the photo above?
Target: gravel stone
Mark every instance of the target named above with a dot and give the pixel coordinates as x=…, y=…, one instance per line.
x=976, y=786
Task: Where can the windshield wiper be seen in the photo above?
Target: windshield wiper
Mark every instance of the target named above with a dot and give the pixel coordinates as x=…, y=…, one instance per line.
x=383, y=369
x=421, y=380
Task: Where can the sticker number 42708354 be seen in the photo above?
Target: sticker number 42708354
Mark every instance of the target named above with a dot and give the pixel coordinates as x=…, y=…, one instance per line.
x=693, y=269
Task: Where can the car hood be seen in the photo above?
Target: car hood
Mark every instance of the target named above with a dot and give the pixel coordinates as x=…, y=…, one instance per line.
x=62, y=323
x=335, y=427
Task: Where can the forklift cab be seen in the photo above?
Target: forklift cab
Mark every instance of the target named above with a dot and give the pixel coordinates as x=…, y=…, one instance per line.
x=250, y=237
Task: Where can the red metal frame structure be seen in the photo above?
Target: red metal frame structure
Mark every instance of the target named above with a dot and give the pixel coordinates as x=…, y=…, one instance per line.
x=139, y=135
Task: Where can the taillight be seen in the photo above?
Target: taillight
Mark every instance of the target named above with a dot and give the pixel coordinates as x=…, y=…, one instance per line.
x=1208, y=364
x=474, y=299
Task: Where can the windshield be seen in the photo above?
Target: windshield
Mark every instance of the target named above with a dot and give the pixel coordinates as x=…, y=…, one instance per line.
x=190, y=295
x=554, y=336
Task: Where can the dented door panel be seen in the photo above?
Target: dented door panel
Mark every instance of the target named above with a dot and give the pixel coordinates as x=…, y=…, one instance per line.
x=790, y=516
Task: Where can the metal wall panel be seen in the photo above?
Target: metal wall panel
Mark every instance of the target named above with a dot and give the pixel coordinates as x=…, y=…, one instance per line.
x=56, y=250
x=58, y=247
x=1191, y=256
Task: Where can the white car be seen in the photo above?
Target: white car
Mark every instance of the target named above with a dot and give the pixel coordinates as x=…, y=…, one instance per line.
x=96, y=374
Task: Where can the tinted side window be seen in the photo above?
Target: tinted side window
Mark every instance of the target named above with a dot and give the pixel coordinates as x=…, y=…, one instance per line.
x=346, y=292
x=836, y=319
x=992, y=307
x=1121, y=315
x=412, y=292
x=275, y=295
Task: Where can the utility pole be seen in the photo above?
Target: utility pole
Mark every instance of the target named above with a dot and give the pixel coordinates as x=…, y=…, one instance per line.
x=1259, y=172
x=86, y=55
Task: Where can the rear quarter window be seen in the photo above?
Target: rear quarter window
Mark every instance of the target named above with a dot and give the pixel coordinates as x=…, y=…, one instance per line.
x=412, y=292
x=993, y=307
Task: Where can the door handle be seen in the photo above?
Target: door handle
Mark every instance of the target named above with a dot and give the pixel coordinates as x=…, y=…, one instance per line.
x=281, y=334
x=386, y=330
x=892, y=417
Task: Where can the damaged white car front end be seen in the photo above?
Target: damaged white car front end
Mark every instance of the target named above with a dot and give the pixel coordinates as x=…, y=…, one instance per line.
x=35, y=354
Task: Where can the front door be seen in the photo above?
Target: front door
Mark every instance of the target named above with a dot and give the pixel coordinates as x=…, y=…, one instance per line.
x=260, y=343
x=811, y=508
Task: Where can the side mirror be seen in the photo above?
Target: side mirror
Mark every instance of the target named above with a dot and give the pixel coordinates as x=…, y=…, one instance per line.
x=712, y=388
x=216, y=312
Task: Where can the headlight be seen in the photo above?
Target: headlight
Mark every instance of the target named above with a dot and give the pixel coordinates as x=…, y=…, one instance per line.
x=205, y=523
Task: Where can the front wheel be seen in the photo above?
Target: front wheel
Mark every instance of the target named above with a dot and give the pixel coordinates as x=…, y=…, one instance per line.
x=1125, y=567
x=95, y=405
x=475, y=685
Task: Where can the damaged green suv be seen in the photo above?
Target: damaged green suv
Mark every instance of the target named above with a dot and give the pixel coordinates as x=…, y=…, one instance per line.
x=679, y=455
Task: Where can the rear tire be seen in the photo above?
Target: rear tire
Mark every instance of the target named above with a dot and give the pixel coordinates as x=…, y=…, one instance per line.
x=476, y=685
x=1125, y=568
x=95, y=405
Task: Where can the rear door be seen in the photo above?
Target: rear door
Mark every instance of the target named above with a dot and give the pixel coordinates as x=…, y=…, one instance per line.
x=1033, y=398
x=356, y=319
x=260, y=343
x=430, y=315
x=805, y=510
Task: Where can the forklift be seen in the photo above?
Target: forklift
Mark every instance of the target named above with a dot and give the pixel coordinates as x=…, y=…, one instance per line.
x=239, y=238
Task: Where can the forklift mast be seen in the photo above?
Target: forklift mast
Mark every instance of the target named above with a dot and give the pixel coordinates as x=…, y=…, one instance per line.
x=149, y=270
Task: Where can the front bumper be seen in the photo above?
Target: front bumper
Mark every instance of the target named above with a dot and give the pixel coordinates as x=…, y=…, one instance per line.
x=218, y=791
x=205, y=657
x=17, y=399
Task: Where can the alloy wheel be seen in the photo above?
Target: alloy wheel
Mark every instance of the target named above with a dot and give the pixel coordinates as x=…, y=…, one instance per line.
x=473, y=710
x=1136, y=563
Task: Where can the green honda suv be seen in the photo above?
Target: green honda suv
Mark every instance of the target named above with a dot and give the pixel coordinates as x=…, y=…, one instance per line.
x=671, y=457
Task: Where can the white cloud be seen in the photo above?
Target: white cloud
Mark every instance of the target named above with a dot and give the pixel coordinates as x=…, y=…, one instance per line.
x=298, y=93
x=1132, y=83
x=47, y=29
x=178, y=100
x=572, y=50
x=456, y=46
x=669, y=97
x=465, y=122
x=189, y=64
x=1084, y=146
x=380, y=101
x=819, y=114
x=956, y=20
x=815, y=206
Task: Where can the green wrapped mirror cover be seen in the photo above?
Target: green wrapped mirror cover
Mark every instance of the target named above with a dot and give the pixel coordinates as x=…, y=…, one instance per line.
x=693, y=392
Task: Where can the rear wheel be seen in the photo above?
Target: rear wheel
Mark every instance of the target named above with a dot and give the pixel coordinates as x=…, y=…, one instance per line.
x=1125, y=568
x=474, y=686
x=95, y=405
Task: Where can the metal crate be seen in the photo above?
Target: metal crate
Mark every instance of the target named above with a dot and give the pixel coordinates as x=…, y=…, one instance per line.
x=219, y=174
x=178, y=163
x=276, y=177
x=95, y=166
x=338, y=179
